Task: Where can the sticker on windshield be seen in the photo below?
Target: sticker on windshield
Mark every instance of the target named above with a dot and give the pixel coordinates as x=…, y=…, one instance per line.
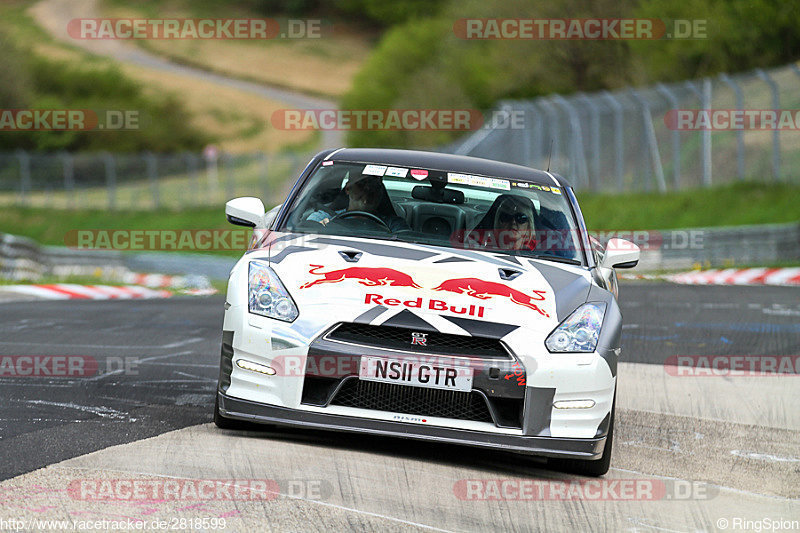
x=458, y=179
x=397, y=172
x=419, y=174
x=545, y=188
x=374, y=170
x=478, y=181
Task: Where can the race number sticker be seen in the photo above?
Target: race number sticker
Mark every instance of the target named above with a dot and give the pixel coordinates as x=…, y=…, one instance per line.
x=374, y=170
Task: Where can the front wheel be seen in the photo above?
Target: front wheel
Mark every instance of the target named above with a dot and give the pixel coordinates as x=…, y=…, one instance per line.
x=582, y=467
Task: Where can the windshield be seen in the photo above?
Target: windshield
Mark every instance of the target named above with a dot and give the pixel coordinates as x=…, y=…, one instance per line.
x=436, y=207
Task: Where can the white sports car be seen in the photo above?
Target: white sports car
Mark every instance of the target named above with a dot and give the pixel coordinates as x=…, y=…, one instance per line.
x=427, y=296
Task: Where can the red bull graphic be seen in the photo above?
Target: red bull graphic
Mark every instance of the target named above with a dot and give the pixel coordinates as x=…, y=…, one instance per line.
x=484, y=290
x=433, y=305
x=371, y=277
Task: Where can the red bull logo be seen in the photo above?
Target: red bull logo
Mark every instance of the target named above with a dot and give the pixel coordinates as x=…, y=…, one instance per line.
x=432, y=305
x=371, y=277
x=484, y=290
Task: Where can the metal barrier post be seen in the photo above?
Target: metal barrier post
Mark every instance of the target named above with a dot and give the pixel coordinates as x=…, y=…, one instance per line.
x=152, y=177
x=727, y=80
x=776, y=141
x=707, y=169
x=619, y=146
x=536, y=152
x=650, y=132
x=706, y=134
x=594, y=138
x=24, y=160
x=676, y=136
x=192, y=168
x=577, y=161
x=68, y=166
x=111, y=180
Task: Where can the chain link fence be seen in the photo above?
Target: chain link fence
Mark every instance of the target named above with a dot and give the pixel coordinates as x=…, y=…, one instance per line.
x=606, y=141
x=628, y=140
x=143, y=181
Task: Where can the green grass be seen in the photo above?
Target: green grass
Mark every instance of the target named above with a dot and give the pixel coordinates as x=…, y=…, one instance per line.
x=51, y=226
x=730, y=205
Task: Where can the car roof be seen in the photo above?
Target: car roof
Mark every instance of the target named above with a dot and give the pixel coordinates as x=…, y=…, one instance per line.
x=447, y=162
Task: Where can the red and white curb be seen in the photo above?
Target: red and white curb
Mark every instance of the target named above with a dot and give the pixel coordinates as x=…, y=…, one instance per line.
x=730, y=276
x=163, y=281
x=69, y=291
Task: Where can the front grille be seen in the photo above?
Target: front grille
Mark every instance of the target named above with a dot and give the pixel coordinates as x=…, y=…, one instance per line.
x=395, y=338
x=413, y=400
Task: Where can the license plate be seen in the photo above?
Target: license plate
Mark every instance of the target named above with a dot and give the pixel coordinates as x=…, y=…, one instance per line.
x=416, y=373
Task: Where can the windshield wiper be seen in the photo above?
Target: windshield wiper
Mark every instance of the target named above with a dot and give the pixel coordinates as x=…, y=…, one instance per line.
x=557, y=258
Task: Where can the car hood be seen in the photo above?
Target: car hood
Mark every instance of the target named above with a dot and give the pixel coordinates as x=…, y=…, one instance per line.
x=372, y=281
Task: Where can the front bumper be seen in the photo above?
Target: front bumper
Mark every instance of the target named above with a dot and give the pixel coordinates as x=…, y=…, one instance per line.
x=246, y=410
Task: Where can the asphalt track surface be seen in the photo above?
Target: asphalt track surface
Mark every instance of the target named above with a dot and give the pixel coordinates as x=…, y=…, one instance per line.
x=735, y=437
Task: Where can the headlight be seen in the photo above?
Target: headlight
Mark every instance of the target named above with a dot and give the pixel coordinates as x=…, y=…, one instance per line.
x=579, y=332
x=266, y=294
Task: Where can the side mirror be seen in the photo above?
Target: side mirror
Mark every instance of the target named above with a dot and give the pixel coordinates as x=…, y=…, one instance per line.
x=246, y=211
x=620, y=254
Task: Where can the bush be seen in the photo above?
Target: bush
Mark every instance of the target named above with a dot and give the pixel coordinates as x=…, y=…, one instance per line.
x=421, y=63
x=30, y=81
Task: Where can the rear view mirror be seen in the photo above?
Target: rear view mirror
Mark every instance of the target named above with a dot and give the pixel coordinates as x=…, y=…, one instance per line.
x=438, y=195
x=620, y=254
x=246, y=211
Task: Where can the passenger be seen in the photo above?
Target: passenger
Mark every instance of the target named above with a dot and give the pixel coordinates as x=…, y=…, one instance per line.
x=508, y=225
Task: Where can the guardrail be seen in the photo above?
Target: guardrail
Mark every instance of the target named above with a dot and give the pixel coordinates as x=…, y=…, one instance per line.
x=630, y=140
x=715, y=247
x=24, y=259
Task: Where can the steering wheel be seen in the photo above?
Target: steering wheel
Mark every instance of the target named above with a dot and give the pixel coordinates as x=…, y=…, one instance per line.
x=365, y=214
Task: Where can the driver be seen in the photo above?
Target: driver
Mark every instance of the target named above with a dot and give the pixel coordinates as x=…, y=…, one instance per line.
x=367, y=194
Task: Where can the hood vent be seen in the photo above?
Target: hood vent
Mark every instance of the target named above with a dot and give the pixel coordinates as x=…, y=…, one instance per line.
x=350, y=256
x=507, y=274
